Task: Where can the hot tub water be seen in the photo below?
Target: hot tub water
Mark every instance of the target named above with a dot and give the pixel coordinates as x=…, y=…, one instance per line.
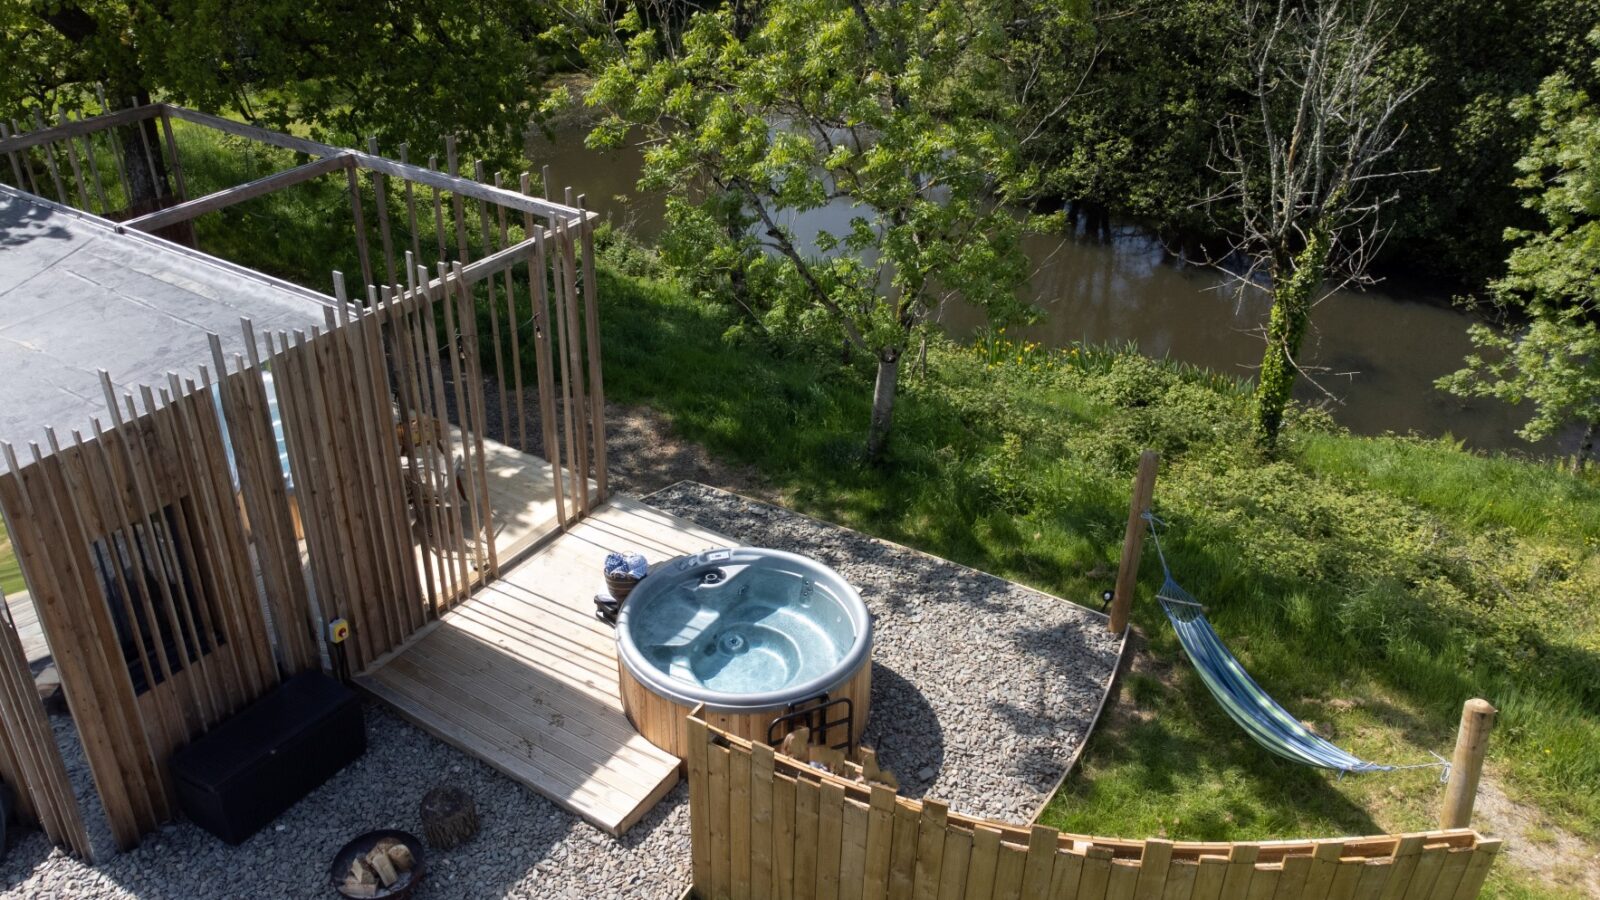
x=743, y=628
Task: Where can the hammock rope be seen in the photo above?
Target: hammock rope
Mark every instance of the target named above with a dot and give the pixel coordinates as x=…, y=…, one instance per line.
x=1251, y=707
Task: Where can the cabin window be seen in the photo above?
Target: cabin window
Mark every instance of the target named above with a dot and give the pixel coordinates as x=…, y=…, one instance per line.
x=144, y=569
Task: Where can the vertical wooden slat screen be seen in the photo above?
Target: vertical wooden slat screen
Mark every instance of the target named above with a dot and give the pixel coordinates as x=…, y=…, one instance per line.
x=29, y=760
x=265, y=501
x=99, y=693
x=765, y=825
x=341, y=431
x=137, y=550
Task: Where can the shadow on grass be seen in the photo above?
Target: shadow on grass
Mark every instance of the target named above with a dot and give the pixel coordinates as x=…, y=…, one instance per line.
x=1186, y=772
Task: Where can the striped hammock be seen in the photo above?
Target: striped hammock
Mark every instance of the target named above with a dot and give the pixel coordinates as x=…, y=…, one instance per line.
x=1240, y=697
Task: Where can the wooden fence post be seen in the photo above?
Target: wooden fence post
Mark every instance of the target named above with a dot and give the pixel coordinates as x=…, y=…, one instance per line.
x=1477, y=720
x=1144, y=487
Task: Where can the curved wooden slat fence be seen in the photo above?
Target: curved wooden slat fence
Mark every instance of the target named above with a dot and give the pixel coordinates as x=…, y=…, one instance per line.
x=765, y=825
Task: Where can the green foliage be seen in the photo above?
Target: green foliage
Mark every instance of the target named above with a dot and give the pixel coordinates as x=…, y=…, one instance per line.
x=11, y=581
x=1145, y=90
x=1478, y=57
x=1295, y=289
x=406, y=71
x=1553, y=276
x=1373, y=584
x=895, y=109
x=1153, y=78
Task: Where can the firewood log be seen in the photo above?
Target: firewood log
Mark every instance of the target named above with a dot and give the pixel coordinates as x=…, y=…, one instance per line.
x=379, y=861
x=400, y=855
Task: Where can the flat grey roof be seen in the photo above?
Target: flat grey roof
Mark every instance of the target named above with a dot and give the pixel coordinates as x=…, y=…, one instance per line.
x=77, y=296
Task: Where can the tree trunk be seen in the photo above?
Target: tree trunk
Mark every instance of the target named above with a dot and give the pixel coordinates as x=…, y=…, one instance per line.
x=883, y=391
x=1586, y=448
x=146, y=173
x=143, y=164
x=1294, y=287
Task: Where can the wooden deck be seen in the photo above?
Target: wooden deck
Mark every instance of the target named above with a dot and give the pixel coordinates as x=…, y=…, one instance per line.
x=28, y=627
x=522, y=493
x=524, y=677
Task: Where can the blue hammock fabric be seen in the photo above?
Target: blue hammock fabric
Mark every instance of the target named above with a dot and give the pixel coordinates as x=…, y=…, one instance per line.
x=1245, y=702
x=1241, y=698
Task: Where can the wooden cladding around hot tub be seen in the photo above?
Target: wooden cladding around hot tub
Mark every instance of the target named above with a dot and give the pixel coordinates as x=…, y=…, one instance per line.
x=662, y=721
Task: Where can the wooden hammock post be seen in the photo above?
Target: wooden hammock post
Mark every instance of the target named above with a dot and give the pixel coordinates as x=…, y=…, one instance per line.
x=1466, y=766
x=1144, y=488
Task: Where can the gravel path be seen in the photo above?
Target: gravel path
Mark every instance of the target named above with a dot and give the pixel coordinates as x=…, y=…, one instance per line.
x=982, y=690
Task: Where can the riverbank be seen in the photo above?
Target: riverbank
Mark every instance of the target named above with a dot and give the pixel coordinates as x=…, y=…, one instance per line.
x=1372, y=584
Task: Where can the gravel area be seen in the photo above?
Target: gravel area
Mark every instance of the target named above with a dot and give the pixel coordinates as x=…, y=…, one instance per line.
x=982, y=691
x=527, y=846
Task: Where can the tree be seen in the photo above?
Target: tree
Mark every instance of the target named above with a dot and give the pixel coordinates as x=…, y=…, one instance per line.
x=408, y=70
x=1552, y=282
x=1144, y=87
x=1307, y=171
x=761, y=111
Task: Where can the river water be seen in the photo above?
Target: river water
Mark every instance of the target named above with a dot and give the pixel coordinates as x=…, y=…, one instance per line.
x=1379, y=350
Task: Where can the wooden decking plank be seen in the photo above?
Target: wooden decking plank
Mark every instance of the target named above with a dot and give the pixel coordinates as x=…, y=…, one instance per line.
x=543, y=710
x=449, y=648
x=482, y=736
x=599, y=690
x=521, y=674
x=398, y=693
x=514, y=625
x=552, y=656
x=602, y=686
x=582, y=764
x=529, y=614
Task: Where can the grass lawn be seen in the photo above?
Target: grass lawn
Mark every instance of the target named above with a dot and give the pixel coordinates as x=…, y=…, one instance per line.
x=10, y=570
x=1371, y=584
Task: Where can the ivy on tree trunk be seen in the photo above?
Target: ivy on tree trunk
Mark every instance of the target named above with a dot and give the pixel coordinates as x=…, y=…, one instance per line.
x=1294, y=291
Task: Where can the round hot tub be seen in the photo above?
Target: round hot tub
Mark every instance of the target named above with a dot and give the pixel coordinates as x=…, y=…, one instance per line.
x=747, y=633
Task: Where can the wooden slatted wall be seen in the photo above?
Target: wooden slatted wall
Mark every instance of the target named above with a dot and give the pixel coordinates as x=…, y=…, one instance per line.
x=339, y=428
x=765, y=825
x=29, y=760
x=171, y=586
x=550, y=307
x=175, y=587
x=137, y=556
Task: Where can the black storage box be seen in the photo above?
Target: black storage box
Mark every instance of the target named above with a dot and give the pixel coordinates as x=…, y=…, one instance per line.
x=261, y=761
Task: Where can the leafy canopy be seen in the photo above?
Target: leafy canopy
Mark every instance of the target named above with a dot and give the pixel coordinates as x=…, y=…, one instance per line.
x=898, y=111
x=408, y=70
x=1553, y=275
